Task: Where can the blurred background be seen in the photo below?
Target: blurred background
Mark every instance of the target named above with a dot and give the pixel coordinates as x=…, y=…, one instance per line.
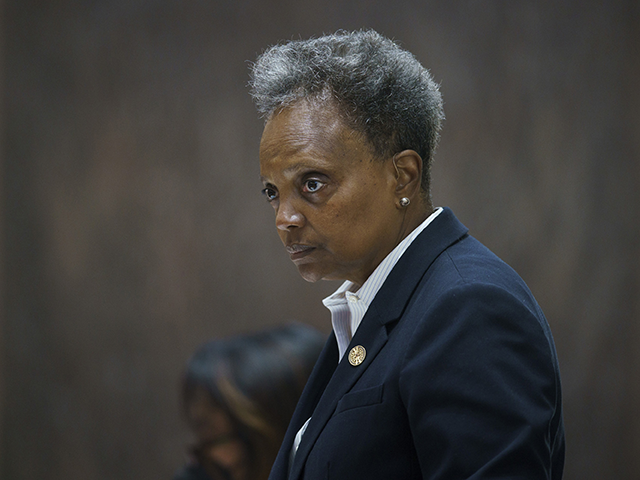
x=133, y=228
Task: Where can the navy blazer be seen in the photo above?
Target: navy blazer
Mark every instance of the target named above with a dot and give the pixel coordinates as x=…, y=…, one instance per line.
x=460, y=378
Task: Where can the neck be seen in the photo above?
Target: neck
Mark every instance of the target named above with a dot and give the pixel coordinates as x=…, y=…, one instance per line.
x=412, y=217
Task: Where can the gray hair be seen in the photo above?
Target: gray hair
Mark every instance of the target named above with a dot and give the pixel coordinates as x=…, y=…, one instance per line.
x=381, y=90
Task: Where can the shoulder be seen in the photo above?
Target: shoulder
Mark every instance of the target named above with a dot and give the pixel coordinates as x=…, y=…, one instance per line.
x=471, y=301
x=478, y=333
x=469, y=269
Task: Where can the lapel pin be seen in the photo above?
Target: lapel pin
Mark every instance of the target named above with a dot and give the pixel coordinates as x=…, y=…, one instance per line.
x=357, y=355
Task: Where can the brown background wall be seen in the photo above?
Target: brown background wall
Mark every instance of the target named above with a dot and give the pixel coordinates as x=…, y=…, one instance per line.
x=133, y=228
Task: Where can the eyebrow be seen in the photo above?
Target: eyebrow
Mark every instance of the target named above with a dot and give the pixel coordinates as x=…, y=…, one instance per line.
x=265, y=182
x=294, y=168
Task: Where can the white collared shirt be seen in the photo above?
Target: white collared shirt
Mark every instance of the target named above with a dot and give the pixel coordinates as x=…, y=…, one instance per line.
x=348, y=307
x=348, y=304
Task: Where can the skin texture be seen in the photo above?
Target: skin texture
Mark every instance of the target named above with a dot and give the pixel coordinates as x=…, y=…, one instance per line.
x=337, y=206
x=217, y=445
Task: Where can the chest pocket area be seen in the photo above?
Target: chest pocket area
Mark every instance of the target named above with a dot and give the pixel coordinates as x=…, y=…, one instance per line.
x=360, y=398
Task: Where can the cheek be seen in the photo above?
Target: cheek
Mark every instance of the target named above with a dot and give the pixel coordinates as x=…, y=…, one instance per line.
x=348, y=240
x=340, y=226
x=355, y=222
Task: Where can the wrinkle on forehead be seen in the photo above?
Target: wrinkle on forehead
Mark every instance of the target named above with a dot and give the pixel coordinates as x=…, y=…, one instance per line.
x=304, y=126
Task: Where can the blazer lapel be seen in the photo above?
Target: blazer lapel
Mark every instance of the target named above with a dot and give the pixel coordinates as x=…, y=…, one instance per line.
x=387, y=307
x=320, y=376
x=345, y=375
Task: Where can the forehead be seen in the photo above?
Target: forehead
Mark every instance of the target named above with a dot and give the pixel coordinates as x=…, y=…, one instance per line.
x=308, y=130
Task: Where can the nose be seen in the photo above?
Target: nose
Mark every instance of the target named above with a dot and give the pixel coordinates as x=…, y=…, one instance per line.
x=287, y=216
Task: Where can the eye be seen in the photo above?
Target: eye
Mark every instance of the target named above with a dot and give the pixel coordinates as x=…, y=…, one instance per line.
x=312, y=186
x=270, y=193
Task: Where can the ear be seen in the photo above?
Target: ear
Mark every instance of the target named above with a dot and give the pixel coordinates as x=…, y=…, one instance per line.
x=408, y=165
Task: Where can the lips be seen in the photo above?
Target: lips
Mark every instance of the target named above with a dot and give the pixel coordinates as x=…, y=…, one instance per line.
x=297, y=251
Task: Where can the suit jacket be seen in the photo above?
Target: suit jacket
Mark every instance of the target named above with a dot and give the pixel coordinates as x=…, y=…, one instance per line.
x=460, y=378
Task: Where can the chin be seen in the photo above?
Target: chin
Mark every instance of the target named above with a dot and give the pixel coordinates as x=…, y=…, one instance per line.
x=310, y=278
x=309, y=274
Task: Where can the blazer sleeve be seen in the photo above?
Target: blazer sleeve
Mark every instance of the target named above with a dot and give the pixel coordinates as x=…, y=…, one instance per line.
x=480, y=386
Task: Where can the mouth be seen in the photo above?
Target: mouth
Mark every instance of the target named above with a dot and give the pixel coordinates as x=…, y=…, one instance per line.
x=297, y=251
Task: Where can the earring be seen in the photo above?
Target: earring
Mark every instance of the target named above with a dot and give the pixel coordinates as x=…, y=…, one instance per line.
x=404, y=202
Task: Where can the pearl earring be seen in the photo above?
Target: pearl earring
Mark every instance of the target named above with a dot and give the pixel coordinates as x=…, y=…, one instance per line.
x=404, y=202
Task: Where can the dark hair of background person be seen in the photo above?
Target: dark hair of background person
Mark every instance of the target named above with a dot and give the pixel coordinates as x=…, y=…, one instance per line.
x=381, y=90
x=256, y=380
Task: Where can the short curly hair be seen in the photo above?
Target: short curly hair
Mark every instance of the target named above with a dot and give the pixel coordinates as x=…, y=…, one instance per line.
x=381, y=90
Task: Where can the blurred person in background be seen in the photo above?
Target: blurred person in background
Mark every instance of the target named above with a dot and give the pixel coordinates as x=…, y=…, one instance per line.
x=238, y=395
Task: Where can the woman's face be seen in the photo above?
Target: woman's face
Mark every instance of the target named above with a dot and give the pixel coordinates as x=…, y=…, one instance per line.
x=335, y=203
x=218, y=448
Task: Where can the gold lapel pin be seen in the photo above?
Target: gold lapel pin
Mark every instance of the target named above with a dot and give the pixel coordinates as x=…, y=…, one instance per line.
x=357, y=355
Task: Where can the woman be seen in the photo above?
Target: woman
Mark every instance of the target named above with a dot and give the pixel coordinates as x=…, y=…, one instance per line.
x=238, y=396
x=441, y=364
